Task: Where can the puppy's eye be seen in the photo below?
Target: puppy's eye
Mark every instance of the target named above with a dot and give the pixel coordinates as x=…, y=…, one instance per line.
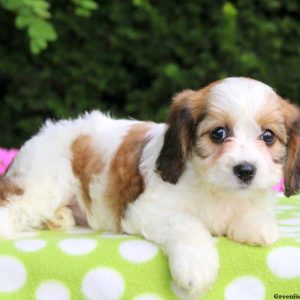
x=268, y=137
x=219, y=135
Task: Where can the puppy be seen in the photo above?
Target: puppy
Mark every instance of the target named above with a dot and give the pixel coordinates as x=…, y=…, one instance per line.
x=208, y=172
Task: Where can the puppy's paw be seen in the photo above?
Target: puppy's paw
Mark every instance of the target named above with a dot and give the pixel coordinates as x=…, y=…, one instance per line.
x=63, y=219
x=195, y=270
x=254, y=229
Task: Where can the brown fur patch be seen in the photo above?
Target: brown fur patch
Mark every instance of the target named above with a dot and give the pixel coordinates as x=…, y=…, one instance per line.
x=187, y=110
x=8, y=188
x=291, y=169
x=198, y=101
x=277, y=151
x=292, y=164
x=125, y=182
x=86, y=162
x=212, y=120
x=273, y=118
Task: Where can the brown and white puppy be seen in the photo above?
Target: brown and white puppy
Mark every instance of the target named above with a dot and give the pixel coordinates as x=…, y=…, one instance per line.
x=208, y=172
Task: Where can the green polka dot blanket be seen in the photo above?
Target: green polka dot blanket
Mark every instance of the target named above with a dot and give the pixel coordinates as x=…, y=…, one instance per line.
x=84, y=264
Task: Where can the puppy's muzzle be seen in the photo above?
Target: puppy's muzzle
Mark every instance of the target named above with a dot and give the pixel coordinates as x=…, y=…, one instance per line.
x=244, y=171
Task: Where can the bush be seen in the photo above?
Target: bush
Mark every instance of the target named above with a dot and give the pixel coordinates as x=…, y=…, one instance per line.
x=131, y=57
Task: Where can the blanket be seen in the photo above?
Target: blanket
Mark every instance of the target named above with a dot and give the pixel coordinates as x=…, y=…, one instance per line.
x=86, y=264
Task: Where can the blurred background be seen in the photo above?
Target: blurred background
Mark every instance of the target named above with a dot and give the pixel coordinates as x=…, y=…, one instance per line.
x=62, y=57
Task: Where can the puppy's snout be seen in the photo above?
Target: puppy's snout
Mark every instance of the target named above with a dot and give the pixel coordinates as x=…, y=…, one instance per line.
x=244, y=171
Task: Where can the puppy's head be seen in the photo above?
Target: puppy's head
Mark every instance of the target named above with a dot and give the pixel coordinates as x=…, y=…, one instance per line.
x=238, y=134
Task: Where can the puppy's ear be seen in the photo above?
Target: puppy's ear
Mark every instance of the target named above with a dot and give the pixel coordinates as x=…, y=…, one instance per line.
x=292, y=164
x=178, y=138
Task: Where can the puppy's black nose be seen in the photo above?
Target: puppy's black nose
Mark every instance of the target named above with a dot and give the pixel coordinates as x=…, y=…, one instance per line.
x=244, y=171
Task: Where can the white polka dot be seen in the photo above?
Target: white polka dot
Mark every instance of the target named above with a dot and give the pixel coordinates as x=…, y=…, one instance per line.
x=30, y=245
x=103, y=283
x=80, y=230
x=12, y=275
x=50, y=290
x=289, y=229
x=110, y=235
x=285, y=207
x=285, y=261
x=245, y=287
x=138, y=251
x=148, y=296
x=295, y=221
x=77, y=246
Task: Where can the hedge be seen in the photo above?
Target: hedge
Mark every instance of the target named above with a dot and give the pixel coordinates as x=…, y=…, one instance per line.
x=130, y=57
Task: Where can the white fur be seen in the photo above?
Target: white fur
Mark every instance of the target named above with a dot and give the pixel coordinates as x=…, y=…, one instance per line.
x=180, y=217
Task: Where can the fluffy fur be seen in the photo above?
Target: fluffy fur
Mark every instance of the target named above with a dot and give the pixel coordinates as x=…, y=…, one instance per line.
x=171, y=183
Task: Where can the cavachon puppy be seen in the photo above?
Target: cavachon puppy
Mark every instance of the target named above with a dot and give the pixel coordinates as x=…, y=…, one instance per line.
x=208, y=172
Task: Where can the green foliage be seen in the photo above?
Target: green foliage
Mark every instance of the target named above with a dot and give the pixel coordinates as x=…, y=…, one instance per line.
x=84, y=7
x=131, y=57
x=33, y=15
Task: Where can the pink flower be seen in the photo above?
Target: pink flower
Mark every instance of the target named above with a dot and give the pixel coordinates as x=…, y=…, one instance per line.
x=6, y=158
x=279, y=187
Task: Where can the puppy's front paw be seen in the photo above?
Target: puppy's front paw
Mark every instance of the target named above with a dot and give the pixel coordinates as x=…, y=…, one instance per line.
x=254, y=229
x=62, y=220
x=195, y=270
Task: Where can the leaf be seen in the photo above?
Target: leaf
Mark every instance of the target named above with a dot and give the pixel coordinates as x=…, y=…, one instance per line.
x=84, y=7
x=22, y=21
x=81, y=12
x=88, y=4
x=34, y=47
x=172, y=70
x=42, y=29
x=230, y=10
